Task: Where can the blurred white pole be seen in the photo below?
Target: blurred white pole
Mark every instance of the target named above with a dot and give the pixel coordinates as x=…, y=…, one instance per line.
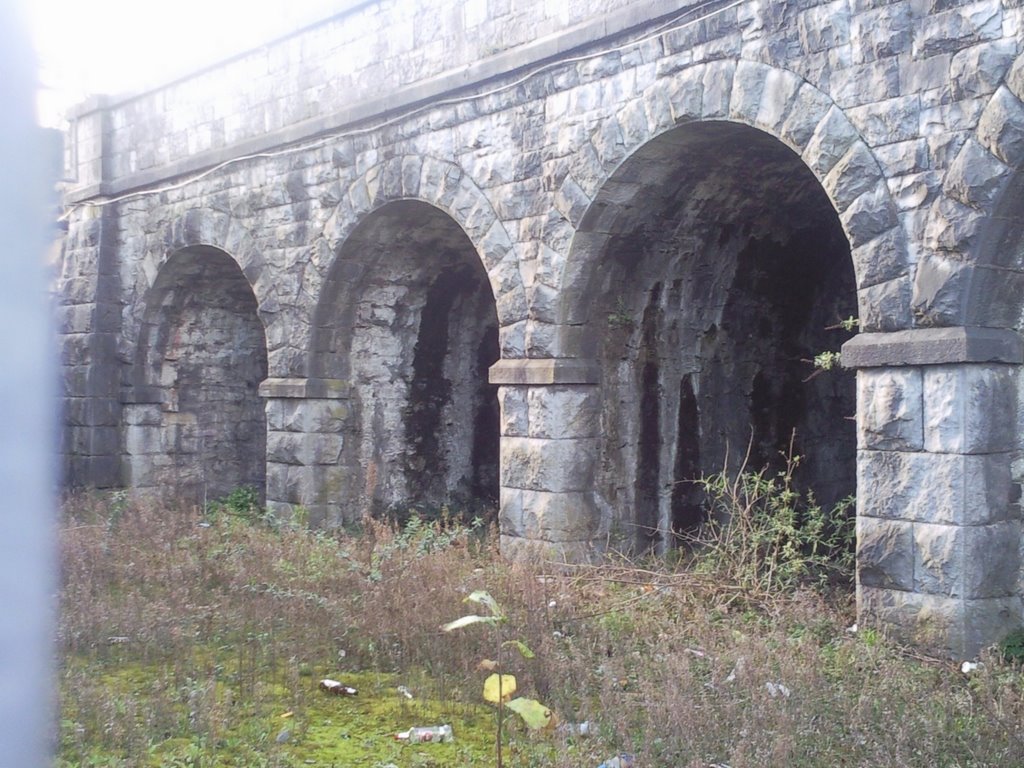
x=27, y=413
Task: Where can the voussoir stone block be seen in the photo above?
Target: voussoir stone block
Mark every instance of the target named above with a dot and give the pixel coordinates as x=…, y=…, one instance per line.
x=890, y=414
x=949, y=489
x=969, y=408
x=885, y=553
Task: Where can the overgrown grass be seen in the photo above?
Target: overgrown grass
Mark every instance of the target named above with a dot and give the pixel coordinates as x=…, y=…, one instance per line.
x=185, y=638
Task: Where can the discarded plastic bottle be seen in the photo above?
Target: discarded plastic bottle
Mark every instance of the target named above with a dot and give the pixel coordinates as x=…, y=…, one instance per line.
x=619, y=761
x=420, y=735
x=337, y=689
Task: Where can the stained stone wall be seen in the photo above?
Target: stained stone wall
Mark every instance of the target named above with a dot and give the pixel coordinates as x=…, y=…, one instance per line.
x=644, y=219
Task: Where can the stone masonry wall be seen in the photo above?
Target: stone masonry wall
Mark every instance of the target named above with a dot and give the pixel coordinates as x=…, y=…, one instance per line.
x=557, y=142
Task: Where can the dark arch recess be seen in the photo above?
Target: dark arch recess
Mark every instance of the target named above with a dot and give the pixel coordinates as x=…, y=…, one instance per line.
x=201, y=357
x=714, y=265
x=407, y=316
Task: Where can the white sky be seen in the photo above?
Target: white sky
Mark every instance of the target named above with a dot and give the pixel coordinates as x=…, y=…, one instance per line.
x=113, y=46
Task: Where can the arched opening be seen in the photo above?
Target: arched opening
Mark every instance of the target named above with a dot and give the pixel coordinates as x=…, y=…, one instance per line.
x=995, y=299
x=197, y=423
x=717, y=266
x=408, y=317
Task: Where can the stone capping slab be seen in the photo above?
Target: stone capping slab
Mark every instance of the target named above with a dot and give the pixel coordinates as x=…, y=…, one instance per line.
x=933, y=346
x=142, y=395
x=544, y=371
x=317, y=389
x=430, y=89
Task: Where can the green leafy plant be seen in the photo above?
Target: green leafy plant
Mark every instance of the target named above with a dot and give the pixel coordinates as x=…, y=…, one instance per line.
x=1011, y=647
x=765, y=537
x=499, y=687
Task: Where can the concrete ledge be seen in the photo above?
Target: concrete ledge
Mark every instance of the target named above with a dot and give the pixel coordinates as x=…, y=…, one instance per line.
x=933, y=346
x=317, y=389
x=544, y=371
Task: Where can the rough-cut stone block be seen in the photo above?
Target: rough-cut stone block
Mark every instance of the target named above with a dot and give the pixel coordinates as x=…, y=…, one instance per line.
x=889, y=409
x=978, y=70
x=975, y=177
x=324, y=448
x=284, y=415
x=957, y=28
x=885, y=553
x=939, y=286
x=510, y=514
x=548, y=465
x=808, y=109
x=882, y=259
x=1001, y=128
x=881, y=33
x=286, y=447
x=856, y=172
x=887, y=121
x=559, y=516
x=564, y=412
x=718, y=77
x=885, y=306
x=686, y=94
x=992, y=559
x=832, y=138
x=955, y=626
x=949, y=489
x=747, y=86
x=870, y=215
x=970, y=408
x=514, y=411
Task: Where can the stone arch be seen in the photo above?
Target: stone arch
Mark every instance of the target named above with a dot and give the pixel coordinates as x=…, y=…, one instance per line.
x=710, y=348
x=780, y=104
x=194, y=419
x=407, y=315
x=979, y=222
x=448, y=188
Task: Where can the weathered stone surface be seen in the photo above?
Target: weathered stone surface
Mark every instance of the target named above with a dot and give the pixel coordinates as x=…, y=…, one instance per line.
x=970, y=408
x=1001, y=130
x=976, y=176
x=949, y=489
x=885, y=553
x=978, y=70
x=890, y=412
x=539, y=464
x=979, y=561
x=885, y=306
x=955, y=626
x=561, y=412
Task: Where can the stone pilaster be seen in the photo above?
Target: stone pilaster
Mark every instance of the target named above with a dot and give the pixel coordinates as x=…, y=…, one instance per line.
x=550, y=427
x=306, y=421
x=938, y=527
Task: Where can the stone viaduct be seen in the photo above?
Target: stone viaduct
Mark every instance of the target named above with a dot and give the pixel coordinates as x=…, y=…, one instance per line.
x=519, y=254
